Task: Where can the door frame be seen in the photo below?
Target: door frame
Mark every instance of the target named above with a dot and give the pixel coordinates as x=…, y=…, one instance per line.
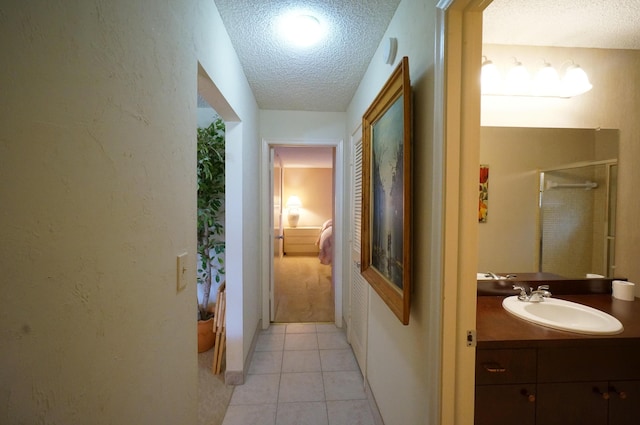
x=457, y=136
x=266, y=220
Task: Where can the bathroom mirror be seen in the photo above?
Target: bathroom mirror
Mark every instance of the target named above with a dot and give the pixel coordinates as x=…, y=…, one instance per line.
x=570, y=222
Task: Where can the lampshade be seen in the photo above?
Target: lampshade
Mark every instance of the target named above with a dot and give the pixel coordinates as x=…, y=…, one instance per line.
x=547, y=81
x=575, y=81
x=518, y=80
x=294, y=202
x=490, y=77
x=293, y=207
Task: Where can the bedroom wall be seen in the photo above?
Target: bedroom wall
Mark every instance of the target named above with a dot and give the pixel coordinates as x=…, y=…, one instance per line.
x=403, y=361
x=314, y=187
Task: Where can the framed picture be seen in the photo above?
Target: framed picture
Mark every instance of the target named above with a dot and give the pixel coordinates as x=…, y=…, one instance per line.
x=386, y=193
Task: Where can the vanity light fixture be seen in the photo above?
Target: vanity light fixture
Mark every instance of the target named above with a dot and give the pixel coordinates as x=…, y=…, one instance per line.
x=547, y=82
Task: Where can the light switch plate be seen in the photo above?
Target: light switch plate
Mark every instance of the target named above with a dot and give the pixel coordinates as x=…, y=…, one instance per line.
x=181, y=276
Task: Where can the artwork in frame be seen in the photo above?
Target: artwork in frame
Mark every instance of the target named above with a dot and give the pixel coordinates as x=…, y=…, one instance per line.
x=386, y=193
x=483, y=204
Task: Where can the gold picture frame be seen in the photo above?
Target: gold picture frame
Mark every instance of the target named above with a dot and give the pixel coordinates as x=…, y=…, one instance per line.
x=386, y=193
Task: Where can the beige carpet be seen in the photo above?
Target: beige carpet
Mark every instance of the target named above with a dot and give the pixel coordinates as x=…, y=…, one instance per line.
x=213, y=394
x=303, y=290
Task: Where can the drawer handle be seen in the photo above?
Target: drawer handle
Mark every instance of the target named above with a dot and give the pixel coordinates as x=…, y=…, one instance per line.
x=605, y=395
x=494, y=367
x=530, y=397
x=621, y=394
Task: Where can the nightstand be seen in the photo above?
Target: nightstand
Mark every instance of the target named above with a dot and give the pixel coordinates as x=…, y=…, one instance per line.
x=301, y=240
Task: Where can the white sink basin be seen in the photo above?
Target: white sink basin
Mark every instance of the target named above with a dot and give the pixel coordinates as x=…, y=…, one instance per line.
x=564, y=315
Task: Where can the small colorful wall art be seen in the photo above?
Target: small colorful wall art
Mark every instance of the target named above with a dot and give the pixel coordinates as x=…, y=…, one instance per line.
x=484, y=193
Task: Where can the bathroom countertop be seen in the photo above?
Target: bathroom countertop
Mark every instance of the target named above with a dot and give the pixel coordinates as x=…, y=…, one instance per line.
x=496, y=328
x=559, y=285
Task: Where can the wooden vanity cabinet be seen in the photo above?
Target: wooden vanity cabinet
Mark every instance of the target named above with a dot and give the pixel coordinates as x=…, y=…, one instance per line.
x=589, y=403
x=624, y=402
x=505, y=387
x=572, y=403
x=505, y=405
x=589, y=385
x=582, y=385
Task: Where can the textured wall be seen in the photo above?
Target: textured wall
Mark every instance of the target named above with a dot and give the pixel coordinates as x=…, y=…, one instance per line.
x=228, y=92
x=403, y=361
x=97, y=151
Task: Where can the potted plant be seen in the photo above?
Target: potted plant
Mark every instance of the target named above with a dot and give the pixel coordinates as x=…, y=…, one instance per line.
x=211, y=244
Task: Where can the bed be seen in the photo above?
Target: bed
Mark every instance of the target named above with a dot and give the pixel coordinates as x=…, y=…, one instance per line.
x=325, y=243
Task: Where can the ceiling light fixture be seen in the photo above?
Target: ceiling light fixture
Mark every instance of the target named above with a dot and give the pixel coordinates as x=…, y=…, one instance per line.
x=301, y=29
x=547, y=82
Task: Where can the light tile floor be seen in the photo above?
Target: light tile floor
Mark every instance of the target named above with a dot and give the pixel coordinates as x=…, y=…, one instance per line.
x=302, y=374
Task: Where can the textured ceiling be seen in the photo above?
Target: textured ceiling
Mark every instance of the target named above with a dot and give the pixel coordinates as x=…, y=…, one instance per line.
x=606, y=24
x=325, y=77
x=321, y=78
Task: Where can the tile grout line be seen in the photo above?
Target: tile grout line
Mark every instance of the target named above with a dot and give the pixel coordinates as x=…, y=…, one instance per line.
x=284, y=342
x=324, y=388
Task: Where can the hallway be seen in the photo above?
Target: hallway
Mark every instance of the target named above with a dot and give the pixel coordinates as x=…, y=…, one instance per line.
x=302, y=374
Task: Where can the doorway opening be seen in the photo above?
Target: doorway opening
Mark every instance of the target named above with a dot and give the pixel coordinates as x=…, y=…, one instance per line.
x=303, y=205
x=303, y=246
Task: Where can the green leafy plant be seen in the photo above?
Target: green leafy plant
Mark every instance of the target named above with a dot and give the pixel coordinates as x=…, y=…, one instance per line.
x=211, y=190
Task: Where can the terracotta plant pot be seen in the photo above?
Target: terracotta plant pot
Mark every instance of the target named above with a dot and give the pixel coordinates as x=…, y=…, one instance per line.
x=206, y=336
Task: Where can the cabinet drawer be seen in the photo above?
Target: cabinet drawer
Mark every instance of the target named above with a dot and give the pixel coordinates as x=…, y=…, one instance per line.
x=509, y=366
x=302, y=232
x=291, y=248
x=301, y=240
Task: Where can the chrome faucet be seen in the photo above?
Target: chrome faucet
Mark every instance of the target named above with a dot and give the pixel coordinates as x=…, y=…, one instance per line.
x=527, y=295
x=494, y=276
